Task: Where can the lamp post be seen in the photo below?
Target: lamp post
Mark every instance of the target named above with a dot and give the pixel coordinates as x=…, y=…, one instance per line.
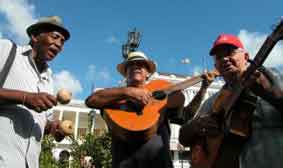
x=91, y=120
x=132, y=44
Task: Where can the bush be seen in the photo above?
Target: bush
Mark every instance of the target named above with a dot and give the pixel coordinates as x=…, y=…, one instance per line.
x=97, y=147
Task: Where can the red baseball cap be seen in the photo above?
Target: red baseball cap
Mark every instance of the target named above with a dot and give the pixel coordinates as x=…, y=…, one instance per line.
x=227, y=39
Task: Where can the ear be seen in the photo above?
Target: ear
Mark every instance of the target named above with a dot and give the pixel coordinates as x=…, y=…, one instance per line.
x=147, y=76
x=247, y=56
x=34, y=39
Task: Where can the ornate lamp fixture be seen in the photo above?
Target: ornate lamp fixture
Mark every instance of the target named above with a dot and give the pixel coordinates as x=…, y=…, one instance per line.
x=132, y=43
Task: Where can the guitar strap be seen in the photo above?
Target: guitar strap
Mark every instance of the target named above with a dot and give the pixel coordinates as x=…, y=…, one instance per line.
x=8, y=64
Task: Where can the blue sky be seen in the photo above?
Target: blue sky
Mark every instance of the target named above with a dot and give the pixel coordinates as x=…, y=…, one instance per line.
x=171, y=31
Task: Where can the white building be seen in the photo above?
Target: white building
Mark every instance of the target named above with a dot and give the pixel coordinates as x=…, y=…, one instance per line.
x=77, y=112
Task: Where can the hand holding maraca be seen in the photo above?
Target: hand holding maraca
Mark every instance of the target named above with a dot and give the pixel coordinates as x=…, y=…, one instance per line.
x=43, y=101
x=60, y=129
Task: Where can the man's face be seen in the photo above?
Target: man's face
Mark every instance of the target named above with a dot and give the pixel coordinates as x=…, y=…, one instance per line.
x=137, y=71
x=48, y=44
x=231, y=62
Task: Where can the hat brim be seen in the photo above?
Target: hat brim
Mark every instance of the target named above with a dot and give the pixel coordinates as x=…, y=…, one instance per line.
x=212, y=51
x=37, y=27
x=122, y=66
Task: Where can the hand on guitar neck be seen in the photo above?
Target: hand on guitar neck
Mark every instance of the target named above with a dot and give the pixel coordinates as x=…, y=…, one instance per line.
x=208, y=77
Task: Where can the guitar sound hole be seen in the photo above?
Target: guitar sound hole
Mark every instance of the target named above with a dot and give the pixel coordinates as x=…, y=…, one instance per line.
x=159, y=95
x=131, y=106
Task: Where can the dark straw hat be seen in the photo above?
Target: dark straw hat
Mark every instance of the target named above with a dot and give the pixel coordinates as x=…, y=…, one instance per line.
x=48, y=23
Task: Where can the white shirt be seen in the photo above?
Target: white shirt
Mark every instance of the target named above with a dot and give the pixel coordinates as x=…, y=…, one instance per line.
x=21, y=128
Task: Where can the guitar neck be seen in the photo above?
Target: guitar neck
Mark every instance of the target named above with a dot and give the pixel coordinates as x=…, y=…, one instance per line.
x=185, y=84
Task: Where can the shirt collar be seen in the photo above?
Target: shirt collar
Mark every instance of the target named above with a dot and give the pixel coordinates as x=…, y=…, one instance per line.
x=27, y=51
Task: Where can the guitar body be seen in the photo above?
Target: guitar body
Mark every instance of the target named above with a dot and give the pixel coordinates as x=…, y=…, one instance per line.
x=126, y=123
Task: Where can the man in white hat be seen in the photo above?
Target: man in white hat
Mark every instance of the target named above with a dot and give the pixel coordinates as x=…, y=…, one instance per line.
x=26, y=93
x=155, y=152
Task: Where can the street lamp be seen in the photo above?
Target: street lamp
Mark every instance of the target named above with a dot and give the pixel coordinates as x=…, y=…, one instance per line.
x=134, y=38
x=125, y=50
x=132, y=43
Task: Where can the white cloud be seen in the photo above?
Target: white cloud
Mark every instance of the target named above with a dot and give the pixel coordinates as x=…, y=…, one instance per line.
x=94, y=76
x=104, y=74
x=197, y=70
x=253, y=41
x=19, y=14
x=90, y=75
x=112, y=40
x=65, y=79
x=1, y=35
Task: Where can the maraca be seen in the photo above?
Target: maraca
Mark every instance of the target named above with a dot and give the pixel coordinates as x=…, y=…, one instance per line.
x=66, y=128
x=64, y=96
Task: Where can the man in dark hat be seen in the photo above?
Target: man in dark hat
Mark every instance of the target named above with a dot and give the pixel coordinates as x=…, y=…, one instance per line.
x=26, y=93
x=260, y=103
x=155, y=152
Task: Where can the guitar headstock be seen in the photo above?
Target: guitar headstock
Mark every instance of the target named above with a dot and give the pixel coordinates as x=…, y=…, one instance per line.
x=277, y=33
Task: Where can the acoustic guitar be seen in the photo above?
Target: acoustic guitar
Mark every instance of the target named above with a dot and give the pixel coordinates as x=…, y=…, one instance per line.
x=129, y=121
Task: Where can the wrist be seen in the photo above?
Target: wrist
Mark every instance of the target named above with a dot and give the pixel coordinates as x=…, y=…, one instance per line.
x=127, y=92
x=47, y=128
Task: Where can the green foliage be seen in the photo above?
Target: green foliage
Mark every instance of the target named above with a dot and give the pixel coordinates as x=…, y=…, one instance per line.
x=98, y=147
x=46, y=159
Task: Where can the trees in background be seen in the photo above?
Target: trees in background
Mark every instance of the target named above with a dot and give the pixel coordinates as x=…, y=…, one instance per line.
x=98, y=148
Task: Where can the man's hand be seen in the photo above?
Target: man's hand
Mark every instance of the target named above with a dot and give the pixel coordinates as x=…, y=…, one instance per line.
x=39, y=101
x=139, y=95
x=54, y=128
x=253, y=79
x=208, y=77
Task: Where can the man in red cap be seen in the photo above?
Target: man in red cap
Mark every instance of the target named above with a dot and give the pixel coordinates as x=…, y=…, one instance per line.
x=26, y=93
x=262, y=99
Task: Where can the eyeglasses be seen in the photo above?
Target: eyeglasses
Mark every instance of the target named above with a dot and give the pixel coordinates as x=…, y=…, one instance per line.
x=227, y=52
x=139, y=63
